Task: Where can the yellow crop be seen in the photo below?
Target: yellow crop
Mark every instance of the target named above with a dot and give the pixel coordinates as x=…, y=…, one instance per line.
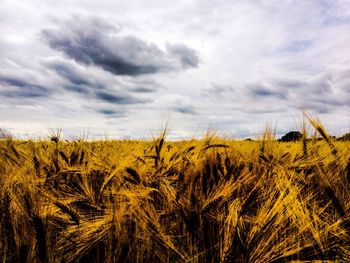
x=208, y=200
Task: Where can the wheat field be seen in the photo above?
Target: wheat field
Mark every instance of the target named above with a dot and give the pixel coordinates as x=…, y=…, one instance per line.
x=201, y=200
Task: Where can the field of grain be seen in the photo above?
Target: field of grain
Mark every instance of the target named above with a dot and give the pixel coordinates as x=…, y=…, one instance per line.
x=207, y=200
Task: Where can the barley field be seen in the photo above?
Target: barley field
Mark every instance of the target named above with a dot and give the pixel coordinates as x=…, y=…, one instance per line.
x=201, y=200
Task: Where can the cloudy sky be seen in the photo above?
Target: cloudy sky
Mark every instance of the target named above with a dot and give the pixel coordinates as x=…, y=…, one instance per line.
x=125, y=68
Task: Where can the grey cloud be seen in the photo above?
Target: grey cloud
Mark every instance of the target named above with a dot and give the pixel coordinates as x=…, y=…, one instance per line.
x=322, y=85
x=330, y=101
x=92, y=44
x=320, y=93
x=141, y=89
x=69, y=73
x=90, y=85
x=263, y=110
x=185, y=110
x=289, y=84
x=258, y=90
x=111, y=113
x=143, y=85
x=220, y=92
x=18, y=88
x=106, y=112
x=220, y=89
x=327, y=90
x=117, y=99
x=82, y=89
x=77, y=81
x=323, y=94
x=316, y=107
x=89, y=48
x=187, y=56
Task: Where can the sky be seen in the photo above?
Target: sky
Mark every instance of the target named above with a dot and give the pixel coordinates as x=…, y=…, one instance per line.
x=125, y=69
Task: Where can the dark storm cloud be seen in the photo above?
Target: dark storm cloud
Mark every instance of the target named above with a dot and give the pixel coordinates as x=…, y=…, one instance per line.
x=117, y=99
x=92, y=43
x=90, y=85
x=88, y=48
x=82, y=81
x=12, y=87
x=77, y=81
x=69, y=73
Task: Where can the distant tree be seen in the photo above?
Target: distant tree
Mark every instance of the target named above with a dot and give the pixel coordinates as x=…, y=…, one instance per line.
x=345, y=137
x=291, y=136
